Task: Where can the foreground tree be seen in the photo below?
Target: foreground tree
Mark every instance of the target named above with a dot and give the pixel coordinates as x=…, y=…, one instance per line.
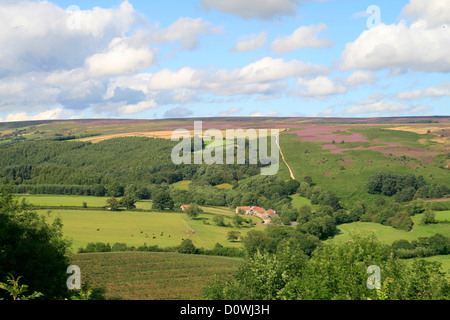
x=32, y=249
x=334, y=272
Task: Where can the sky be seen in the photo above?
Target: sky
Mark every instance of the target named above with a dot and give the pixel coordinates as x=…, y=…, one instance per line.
x=148, y=59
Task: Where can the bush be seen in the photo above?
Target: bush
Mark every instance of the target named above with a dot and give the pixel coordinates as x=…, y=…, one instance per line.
x=193, y=211
x=429, y=217
x=187, y=246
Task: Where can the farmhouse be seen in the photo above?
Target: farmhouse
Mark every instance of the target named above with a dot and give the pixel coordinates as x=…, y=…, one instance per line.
x=184, y=207
x=259, y=212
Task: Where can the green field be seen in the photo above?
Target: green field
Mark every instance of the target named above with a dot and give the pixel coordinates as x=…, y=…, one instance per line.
x=64, y=201
x=298, y=201
x=138, y=228
x=151, y=275
x=75, y=201
x=388, y=234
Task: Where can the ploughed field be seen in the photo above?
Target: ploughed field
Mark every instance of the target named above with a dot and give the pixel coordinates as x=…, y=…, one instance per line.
x=152, y=275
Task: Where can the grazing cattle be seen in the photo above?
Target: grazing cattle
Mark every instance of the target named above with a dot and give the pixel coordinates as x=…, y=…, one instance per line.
x=154, y=237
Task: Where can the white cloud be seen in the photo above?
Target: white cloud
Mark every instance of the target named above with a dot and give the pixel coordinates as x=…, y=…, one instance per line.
x=270, y=113
x=270, y=69
x=39, y=37
x=185, y=77
x=261, y=76
x=251, y=42
x=360, y=77
x=416, y=47
x=323, y=87
x=185, y=30
x=441, y=90
x=54, y=114
x=184, y=95
x=137, y=108
x=377, y=106
x=119, y=59
x=302, y=37
x=434, y=12
x=320, y=87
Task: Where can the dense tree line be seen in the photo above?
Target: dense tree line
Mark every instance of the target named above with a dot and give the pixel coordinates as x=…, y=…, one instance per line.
x=186, y=247
x=105, y=168
x=405, y=187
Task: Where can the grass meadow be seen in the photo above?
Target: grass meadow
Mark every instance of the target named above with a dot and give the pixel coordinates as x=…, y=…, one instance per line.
x=388, y=234
x=136, y=228
x=65, y=201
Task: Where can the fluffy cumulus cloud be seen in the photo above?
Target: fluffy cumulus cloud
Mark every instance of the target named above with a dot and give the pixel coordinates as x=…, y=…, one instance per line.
x=76, y=59
x=252, y=42
x=323, y=87
x=269, y=69
x=320, y=87
x=260, y=77
x=116, y=62
x=360, y=77
x=120, y=58
x=303, y=37
x=40, y=36
x=435, y=13
x=185, y=77
x=185, y=30
x=420, y=43
x=138, y=107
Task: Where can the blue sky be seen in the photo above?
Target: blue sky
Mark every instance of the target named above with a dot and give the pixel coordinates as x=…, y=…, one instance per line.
x=205, y=58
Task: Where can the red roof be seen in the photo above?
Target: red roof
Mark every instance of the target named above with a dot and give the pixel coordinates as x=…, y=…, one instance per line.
x=260, y=210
